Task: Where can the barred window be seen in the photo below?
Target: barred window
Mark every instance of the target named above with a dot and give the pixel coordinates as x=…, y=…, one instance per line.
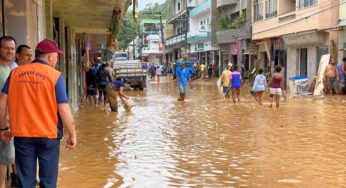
x=307, y=3
x=271, y=8
x=258, y=10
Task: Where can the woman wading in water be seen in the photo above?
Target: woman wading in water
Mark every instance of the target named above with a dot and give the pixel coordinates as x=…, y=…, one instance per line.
x=259, y=86
x=275, y=85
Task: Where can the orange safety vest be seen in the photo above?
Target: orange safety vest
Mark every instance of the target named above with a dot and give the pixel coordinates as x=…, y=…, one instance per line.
x=32, y=106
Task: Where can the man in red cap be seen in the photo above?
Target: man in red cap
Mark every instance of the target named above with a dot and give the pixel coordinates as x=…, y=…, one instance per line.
x=38, y=108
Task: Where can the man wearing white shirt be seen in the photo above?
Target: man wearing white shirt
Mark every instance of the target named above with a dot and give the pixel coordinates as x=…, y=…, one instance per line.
x=23, y=56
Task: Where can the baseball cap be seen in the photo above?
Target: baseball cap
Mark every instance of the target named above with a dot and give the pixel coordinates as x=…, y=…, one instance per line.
x=47, y=46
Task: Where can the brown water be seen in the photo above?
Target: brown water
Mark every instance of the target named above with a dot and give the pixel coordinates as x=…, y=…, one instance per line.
x=205, y=142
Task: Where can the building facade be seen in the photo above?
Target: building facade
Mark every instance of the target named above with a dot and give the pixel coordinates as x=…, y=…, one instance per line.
x=151, y=41
x=342, y=30
x=201, y=50
x=72, y=24
x=231, y=25
x=176, y=45
x=294, y=34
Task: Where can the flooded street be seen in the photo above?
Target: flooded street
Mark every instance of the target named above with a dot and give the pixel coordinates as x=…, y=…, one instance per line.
x=205, y=142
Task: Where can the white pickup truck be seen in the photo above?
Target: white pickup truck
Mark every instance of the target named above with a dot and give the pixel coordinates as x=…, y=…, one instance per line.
x=132, y=71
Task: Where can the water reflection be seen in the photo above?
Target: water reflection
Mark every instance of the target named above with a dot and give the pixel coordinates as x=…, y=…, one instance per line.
x=207, y=142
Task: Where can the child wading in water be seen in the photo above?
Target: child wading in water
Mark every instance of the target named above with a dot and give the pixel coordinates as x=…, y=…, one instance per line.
x=236, y=81
x=259, y=86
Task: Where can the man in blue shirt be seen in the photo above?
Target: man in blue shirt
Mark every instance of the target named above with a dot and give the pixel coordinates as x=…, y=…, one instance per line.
x=183, y=76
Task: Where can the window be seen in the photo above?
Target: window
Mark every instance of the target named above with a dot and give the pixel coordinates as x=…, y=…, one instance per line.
x=178, y=6
x=199, y=47
x=307, y=3
x=178, y=30
x=303, y=62
x=201, y=23
x=234, y=16
x=258, y=8
x=271, y=8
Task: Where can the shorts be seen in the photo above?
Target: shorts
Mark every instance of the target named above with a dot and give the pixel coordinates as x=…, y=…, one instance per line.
x=226, y=90
x=91, y=92
x=6, y=152
x=332, y=83
x=275, y=91
x=341, y=84
x=182, y=89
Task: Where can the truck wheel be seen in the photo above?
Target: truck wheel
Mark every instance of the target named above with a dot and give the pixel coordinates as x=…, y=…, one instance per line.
x=141, y=86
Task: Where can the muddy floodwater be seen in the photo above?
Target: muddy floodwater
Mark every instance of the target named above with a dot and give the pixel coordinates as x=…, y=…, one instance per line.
x=205, y=142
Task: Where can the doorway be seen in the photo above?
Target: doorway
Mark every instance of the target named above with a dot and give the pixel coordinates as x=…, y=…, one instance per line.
x=303, y=71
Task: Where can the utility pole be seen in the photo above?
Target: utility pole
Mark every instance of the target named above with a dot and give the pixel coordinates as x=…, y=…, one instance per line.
x=163, y=42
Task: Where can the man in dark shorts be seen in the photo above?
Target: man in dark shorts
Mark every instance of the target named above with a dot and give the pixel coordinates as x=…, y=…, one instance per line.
x=91, y=86
x=331, y=75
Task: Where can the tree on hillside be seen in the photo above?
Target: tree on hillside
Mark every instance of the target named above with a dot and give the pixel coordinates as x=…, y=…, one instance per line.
x=130, y=29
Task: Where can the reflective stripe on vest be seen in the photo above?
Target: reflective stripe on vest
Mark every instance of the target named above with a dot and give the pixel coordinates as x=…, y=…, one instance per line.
x=32, y=105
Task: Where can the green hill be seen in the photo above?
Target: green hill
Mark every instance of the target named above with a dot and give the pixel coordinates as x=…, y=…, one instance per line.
x=166, y=10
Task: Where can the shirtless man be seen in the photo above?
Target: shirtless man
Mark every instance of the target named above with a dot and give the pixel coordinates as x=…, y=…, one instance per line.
x=331, y=76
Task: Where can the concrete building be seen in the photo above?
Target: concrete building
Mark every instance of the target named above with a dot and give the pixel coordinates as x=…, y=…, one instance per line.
x=72, y=24
x=294, y=34
x=342, y=30
x=177, y=43
x=231, y=25
x=199, y=35
x=151, y=40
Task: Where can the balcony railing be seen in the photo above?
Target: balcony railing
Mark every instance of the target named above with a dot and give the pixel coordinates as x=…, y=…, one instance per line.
x=176, y=40
x=232, y=35
x=200, y=8
x=199, y=38
x=220, y=3
x=181, y=16
x=287, y=17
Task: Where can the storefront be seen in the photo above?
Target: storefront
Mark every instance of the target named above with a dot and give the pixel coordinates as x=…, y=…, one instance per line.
x=264, y=55
x=279, y=56
x=304, y=51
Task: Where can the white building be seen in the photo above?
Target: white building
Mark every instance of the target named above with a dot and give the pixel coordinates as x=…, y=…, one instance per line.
x=199, y=35
x=154, y=45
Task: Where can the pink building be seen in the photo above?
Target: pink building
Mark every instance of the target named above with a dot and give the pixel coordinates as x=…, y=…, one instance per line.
x=294, y=33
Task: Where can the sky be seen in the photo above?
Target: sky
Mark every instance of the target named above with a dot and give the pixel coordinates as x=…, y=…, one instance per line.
x=142, y=3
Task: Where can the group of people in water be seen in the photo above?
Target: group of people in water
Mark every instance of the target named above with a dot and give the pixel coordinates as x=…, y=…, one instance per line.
x=231, y=80
x=102, y=85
